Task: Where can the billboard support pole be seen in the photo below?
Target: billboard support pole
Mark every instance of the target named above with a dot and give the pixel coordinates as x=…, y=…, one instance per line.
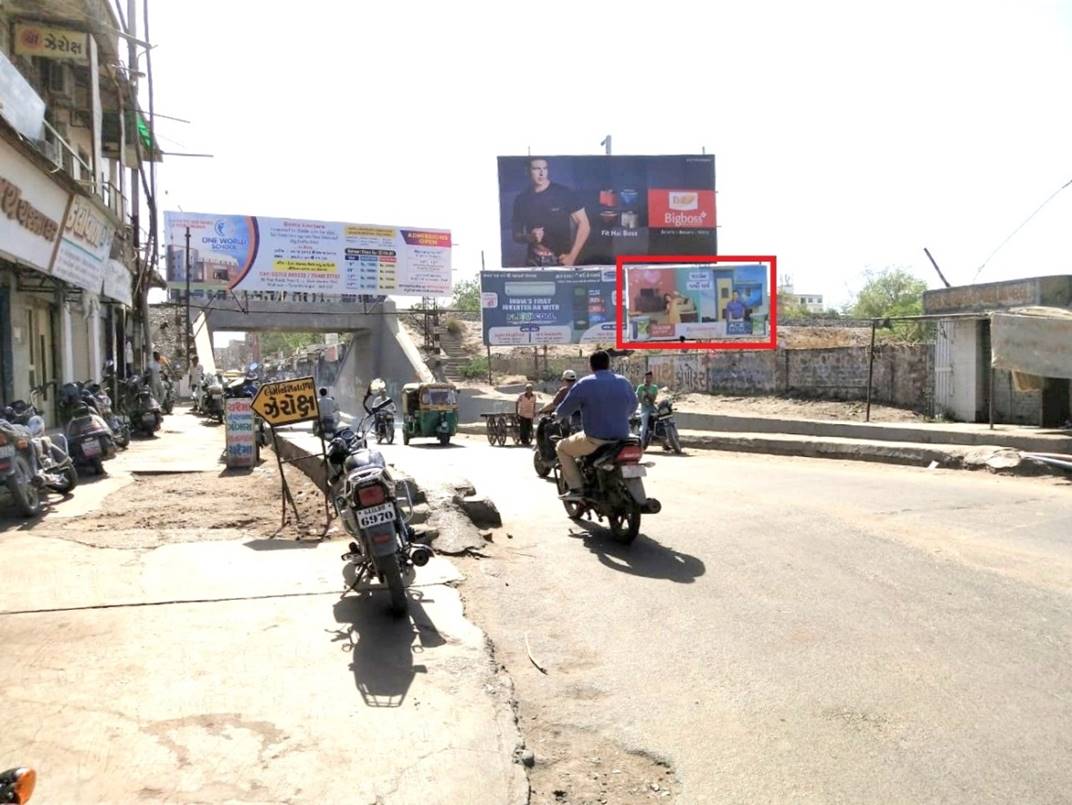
x=490, y=381
x=870, y=369
x=187, y=299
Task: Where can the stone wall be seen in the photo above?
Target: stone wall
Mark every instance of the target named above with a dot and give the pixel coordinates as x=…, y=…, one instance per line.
x=902, y=373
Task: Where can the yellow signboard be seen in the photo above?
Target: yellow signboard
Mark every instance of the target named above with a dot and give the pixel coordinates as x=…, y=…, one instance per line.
x=34, y=39
x=287, y=402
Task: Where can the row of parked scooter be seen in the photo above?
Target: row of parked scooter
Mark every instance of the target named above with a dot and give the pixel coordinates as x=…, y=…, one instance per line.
x=94, y=429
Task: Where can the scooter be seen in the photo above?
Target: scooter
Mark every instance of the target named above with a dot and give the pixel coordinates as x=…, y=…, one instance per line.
x=90, y=440
x=145, y=415
x=18, y=468
x=120, y=426
x=54, y=467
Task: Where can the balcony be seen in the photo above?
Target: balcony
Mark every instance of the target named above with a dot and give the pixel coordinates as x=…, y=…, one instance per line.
x=65, y=157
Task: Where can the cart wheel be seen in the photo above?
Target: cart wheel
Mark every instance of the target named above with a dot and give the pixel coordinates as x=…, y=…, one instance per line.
x=489, y=424
x=502, y=431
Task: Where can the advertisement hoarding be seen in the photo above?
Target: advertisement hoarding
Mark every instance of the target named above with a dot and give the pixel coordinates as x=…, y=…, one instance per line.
x=588, y=210
x=238, y=425
x=548, y=307
x=251, y=253
x=696, y=302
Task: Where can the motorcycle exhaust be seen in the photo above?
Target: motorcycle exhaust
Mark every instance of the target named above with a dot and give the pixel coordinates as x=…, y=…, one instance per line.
x=420, y=555
x=652, y=506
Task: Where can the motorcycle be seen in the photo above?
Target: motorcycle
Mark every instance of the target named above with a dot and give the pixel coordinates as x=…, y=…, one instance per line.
x=367, y=499
x=548, y=432
x=385, y=423
x=612, y=488
x=661, y=427
x=18, y=468
x=53, y=463
x=212, y=397
x=90, y=440
x=17, y=785
x=145, y=415
x=119, y=425
x=327, y=424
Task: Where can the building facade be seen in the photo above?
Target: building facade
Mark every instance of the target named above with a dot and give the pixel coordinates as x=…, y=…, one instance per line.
x=964, y=381
x=68, y=250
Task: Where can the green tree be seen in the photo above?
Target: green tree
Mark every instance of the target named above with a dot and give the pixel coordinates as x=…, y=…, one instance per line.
x=891, y=292
x=274, y=341
x=466, y=296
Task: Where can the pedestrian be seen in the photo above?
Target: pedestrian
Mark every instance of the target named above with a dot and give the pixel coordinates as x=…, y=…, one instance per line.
x=128, y=358
x=525, y=408
x=646, y=392
x=197, y=374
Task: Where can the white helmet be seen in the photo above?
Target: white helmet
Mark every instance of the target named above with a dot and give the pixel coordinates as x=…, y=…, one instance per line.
x=569, y=374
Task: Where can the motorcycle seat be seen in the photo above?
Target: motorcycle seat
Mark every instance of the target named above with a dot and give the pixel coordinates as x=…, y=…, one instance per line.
x=609, y=449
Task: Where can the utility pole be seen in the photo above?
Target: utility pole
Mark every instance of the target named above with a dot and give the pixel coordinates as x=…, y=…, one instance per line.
x=135, y=184
x=187, y=298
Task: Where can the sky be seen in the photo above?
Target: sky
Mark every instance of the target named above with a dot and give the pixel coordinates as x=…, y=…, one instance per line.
x=848, y=135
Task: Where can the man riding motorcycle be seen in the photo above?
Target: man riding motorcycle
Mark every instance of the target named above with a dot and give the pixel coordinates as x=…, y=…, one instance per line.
x=606, y=401
x=569, y=377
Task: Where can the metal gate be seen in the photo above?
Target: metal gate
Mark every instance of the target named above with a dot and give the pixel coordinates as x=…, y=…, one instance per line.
x=943, y=368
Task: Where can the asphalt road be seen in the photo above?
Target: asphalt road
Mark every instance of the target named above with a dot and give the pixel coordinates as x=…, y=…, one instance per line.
x=788, y=629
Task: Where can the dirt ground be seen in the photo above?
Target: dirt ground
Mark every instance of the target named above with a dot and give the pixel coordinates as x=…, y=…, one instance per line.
x=196, y=506
x=792, y=408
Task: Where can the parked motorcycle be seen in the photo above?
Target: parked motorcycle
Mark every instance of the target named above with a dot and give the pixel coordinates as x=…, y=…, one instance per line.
x=18, y=468
x=145, y=414
x=328, y=422
x=612, y=488
x=662, y=427
x=17, y=785
x=90, y=441
x=119, y=425
x=367, y=499
x=53, y=465
x=212, y=397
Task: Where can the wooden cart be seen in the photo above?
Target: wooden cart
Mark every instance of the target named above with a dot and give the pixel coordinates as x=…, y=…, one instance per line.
x=500, y=426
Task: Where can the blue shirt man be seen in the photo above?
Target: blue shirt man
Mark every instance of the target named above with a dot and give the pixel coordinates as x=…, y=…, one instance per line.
x=736, y=308
x=606, y=401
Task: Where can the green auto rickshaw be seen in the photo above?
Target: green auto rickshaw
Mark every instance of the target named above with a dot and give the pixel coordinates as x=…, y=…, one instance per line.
x=429, y=409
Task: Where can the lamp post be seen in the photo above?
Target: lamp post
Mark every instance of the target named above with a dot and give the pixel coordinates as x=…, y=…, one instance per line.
x=187, y=298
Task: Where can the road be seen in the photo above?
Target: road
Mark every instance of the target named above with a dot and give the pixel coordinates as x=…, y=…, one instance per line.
x=785, y=630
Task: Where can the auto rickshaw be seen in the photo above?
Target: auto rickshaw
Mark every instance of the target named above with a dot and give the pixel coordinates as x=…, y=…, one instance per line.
x=429, y=409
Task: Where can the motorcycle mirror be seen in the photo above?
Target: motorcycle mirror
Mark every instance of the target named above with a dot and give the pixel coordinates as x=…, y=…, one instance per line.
x=20, y=783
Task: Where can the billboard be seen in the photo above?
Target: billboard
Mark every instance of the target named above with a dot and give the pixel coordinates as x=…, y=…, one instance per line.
x=588, y=210
x=548, y=307
x=253, y=253
x=696, y=302
x=85, y=245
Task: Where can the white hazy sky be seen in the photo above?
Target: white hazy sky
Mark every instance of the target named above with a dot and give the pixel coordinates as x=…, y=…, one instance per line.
x=847, y=135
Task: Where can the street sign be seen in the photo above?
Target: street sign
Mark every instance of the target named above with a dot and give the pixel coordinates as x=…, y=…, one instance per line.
x=287, y=402
x=241, y=442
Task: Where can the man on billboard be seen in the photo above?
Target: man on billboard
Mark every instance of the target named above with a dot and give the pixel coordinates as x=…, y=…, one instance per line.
x=735, y=308
x=550, y=219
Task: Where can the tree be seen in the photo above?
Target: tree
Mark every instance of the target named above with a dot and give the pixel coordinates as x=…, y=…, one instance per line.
x=274, y=341
x=466, y=296
x=891, y=292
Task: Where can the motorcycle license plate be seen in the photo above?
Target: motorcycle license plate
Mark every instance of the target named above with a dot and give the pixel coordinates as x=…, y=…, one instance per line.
x=7, y=451
x=633, y=471
x=377, y=515
x=91, y=448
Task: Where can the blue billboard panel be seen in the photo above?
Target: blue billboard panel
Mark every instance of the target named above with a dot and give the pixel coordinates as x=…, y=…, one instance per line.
x=547, y=307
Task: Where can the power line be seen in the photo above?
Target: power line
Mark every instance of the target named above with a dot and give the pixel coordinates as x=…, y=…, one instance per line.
x=1021, y=226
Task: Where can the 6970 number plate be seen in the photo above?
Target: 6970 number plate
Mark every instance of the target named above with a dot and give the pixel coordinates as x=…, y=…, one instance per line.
x=376, y=515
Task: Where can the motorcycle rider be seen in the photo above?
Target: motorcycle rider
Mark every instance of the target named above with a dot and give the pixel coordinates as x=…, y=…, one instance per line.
x=605, y=400
x=646, y=392
x=569, y=377
x=328, y=411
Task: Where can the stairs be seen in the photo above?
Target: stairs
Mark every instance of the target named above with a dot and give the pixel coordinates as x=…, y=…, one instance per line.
x=456, y=357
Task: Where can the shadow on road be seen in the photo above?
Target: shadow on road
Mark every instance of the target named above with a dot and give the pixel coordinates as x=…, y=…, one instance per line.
x=280, y=544
x=437, y=446
x=384, y=646
x=645, y=557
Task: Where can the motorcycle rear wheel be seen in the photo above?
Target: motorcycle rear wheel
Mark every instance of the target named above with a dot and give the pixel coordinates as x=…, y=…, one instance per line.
x=625, y=525
x=122, y=438
x=392, y=575
x=98, y=466
x=390, y=434
x=543, y=469
x=27, y=497
x=70, y=476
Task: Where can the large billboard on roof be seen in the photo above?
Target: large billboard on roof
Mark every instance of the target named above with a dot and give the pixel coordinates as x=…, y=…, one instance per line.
x=588, y=210
x=254, y=253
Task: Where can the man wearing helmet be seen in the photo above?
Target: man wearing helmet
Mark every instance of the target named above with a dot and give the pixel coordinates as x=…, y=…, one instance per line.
x=605, y=401
x=569, y=377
